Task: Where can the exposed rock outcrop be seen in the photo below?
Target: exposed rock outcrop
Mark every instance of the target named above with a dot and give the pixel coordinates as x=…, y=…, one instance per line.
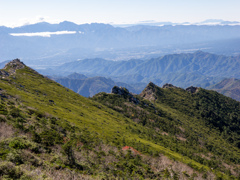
x=148, y=92
x=124, y=92
x=11, y=67
x=14, y=65
x=168, y=86
x=3, y=74
x=192, y=89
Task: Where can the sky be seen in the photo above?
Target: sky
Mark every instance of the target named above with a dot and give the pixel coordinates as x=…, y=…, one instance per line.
x=22, y=12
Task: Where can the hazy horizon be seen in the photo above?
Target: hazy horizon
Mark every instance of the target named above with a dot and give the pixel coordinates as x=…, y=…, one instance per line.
x=17, y=13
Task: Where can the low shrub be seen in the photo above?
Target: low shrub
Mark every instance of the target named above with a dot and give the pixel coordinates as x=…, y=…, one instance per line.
x=9, y=170
x=14, y=157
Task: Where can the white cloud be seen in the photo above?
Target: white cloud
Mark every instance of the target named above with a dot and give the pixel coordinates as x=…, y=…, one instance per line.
x=43, y=34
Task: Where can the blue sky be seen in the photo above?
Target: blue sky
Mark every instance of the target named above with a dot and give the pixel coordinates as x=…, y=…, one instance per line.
x=19, y=12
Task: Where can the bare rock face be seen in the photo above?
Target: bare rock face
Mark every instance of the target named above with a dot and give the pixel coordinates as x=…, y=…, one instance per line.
x=14, y=65
x=11, y=67
x=3, y=74
x=168, y=86
x=192, y=89
x=148, y=92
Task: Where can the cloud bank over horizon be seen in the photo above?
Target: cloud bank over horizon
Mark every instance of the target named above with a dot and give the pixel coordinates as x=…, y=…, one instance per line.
x=210, y=22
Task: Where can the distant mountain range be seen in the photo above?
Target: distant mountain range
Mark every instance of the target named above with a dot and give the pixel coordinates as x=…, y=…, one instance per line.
x=42, y=45
x=229, y=87
x=91, y=76
x=206, y=22
x=198, y=69
x=88, y=87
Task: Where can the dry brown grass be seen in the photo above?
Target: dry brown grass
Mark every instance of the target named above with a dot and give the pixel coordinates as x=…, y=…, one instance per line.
x=181, y=128
x=161, y=163
x=164, y=133
x=231, y=168
x=52, y=174
x=6, y=130
x=66, y=174
x=118, y=107
x=181, y=137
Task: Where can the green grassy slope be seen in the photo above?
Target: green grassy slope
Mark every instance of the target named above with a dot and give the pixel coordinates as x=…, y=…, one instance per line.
x=56, y=132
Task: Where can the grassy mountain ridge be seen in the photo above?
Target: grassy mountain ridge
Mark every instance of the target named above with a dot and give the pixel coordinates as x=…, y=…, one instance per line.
x=56, y=133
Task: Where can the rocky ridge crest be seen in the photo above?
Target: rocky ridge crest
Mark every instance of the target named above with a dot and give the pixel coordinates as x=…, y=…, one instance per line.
x=124, y=92
x=14, y=65
x=192, y=89
x=11, y=67
x=169, y=86
x=149, y=92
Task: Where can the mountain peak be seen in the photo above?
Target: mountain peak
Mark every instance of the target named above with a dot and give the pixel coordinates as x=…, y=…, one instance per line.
x=149, y=92
x=14, y=65
x=151, y=85
x=68, y=24
x=76, y=76
x=11, y=67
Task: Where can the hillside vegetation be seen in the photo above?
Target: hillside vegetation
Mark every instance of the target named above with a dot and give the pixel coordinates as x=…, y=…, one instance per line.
x=200, y=124
x=48, y=131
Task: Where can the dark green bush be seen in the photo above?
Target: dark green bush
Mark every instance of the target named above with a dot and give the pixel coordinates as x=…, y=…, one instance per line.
x=51, y=137
x=18, y=144
x=68, y=151
x=15, y=112
x=36, y=137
